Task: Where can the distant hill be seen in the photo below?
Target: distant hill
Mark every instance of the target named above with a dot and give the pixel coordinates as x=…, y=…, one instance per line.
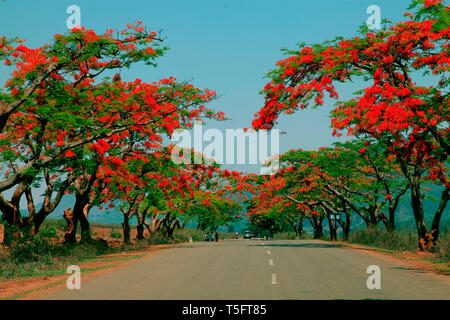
x=113, y=216
x=95, y=214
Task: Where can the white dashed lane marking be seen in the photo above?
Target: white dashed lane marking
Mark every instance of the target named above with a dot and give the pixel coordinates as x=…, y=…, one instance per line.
x=274, y=278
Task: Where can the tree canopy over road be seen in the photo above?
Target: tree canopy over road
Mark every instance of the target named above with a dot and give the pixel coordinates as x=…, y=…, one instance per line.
x=399, y=125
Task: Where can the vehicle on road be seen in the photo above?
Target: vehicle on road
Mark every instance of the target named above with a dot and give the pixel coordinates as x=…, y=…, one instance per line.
x=247, y=234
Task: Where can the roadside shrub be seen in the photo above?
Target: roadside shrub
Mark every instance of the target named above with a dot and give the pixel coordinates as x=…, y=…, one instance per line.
x=57, y=224
x=184, y=234
x=380, y=238
x=88, y=250
x=443, y=246
x=32, y=250
x=115, y=234
x=48, y=232
x=290, y=236
x=157, y=238
x=36, y=255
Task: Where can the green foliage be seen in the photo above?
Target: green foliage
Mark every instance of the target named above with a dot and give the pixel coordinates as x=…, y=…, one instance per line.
x=442, y=249
x=212, y=211
x=158, y=238
x=25, y=251
x=437, y=11
x=291, y=236
x=38, y=255
x=58, y=224
x=184, y=234
x=268, y=224
x=285, y=236
x=403, y=240
x=396, y=240
x=49, y=232
x=115, y=234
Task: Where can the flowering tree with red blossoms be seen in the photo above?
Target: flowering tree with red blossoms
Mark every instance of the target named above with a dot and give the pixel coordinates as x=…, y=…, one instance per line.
x=411, y=120
x=60, y=121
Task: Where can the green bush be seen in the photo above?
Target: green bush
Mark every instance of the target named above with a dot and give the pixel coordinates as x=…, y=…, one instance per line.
x=115, y=234
x=48, y=232
x=58, y=224
x=380, y=238
x=291, y=236
x=443, y=246
x=184, y=234
x=32, y=250
x=158, y=238
x=36, y=256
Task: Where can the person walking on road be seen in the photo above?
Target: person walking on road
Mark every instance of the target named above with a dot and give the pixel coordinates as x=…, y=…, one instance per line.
x=217, y=236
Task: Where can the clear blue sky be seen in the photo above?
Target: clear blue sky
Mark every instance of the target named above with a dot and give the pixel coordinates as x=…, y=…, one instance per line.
x=225, y=45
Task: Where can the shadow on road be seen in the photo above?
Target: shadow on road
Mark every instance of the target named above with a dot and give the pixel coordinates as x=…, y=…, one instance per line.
x=299, y=245
x=197, y=245
x=417, y=270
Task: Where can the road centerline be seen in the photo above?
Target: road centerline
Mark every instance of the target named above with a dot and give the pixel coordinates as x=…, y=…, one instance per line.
x=274, y=278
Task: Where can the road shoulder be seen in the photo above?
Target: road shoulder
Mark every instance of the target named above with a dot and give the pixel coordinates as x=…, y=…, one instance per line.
x=422, y=260
x=33, y=287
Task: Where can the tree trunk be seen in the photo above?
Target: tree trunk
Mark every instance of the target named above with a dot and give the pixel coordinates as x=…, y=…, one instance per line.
x=71, y=219
x=393, y=204
x=80, y=211
x=37, y=222
x=11, y=213
x=333, y=231
x=12, y=226
x=140, y=232
x=370, y=224
x=425, y=239
x=346, y=227
x=437, y=217
x=48, y=205
x=391, y=222
x=86, y=236
x=299, y=228
x=140, y=225
x=157, y=222
x=171, y=227
x=126, y=229
x=317, y=225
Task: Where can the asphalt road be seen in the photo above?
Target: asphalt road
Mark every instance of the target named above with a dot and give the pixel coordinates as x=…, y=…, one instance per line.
x=256, y=269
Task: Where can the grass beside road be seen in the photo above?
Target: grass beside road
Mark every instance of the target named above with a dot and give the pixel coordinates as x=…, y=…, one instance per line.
x=291, y=236
x=17, y=288
x=31, y=266
x=403, y=244
x=46, y=254
x=40, y=257
x=399, y=241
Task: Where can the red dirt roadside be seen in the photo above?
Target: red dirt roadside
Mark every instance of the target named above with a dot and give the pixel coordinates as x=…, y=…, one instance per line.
x=420, y=259
x=32, y=287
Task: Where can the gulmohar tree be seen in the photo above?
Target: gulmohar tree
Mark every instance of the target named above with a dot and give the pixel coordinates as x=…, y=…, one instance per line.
x=392, y=108
x=63, y=121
